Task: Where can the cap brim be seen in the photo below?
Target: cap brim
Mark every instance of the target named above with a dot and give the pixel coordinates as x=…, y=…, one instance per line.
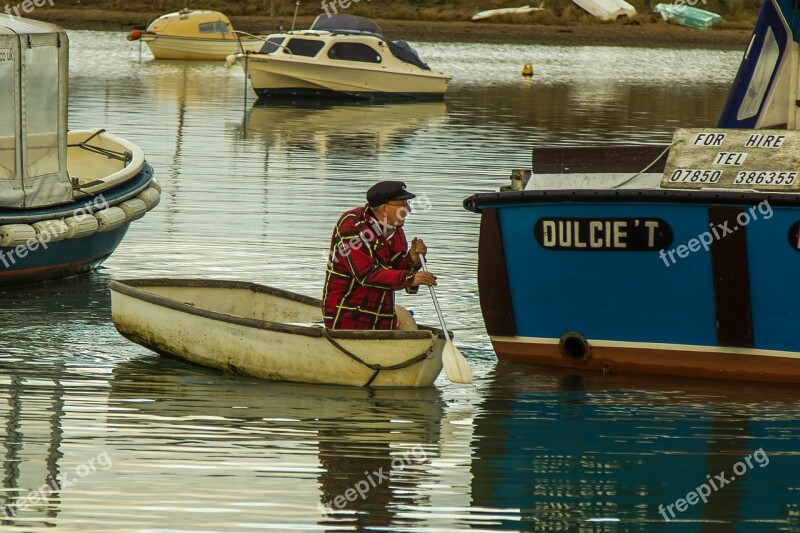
x=405, y=195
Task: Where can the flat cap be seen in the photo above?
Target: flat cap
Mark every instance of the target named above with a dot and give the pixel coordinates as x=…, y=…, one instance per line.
x=387, y=191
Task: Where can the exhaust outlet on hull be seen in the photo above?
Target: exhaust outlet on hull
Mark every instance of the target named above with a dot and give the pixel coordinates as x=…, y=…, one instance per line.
x=574, y=346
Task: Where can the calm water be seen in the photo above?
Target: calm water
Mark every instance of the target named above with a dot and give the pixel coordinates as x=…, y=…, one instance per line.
x=251, y=193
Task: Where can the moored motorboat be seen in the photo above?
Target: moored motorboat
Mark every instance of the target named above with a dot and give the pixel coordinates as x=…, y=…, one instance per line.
x=678, y=259
x=268, y=333
x=344, y=56
x=192, y=34
x=66, y=199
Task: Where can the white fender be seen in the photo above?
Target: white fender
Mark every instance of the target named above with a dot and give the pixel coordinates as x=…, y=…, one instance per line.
x=81, y=226
x=134, y=209
x=16, y=234
x=51, y=230
x=110, y=219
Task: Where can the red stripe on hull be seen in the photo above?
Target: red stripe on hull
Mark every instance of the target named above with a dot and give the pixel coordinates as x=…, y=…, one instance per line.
x=13, y=277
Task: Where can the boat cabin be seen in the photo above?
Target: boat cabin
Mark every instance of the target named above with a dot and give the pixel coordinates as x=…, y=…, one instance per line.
x=33, y=114
x=193, y=23
x=342, y=38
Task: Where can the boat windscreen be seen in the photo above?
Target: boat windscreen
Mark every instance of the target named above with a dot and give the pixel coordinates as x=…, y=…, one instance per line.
x=272, y=45
x=346, y=24
x=404, y=52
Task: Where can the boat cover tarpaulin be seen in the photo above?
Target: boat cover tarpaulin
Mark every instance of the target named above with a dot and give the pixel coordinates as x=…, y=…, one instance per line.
x=346, y=24
x=691, y=17
x=33, y=114
x=403, y=51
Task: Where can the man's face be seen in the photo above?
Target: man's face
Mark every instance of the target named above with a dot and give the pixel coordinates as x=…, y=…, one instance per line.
x=396, y=212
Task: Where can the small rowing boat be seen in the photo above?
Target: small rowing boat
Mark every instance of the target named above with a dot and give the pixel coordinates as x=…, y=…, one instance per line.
x=268, y=333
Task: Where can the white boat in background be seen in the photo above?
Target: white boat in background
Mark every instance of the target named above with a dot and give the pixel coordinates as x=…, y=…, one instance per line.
x=269, y=333
x=340, y=55
x=195, y=35
x=507, y=11
x=607, y=9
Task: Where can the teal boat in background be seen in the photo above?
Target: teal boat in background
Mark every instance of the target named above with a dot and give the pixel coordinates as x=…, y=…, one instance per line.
x=688, y=16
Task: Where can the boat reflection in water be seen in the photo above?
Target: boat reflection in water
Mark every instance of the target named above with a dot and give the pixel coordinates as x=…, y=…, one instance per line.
x=555, y=447
x=276, y=429
x=342, y=130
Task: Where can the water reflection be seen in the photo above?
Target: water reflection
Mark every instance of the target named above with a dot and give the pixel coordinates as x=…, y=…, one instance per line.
x=340, y=130
x=375, y=441
x=569, y=449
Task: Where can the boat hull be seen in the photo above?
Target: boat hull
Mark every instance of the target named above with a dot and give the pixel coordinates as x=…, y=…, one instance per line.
x=723, y=311
x=197, y=49
x=59, y=259
x=38, y=260
x=232, y=326
x=275, y=77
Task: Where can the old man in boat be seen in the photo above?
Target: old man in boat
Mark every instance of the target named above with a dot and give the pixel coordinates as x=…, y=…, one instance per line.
x=370, y=258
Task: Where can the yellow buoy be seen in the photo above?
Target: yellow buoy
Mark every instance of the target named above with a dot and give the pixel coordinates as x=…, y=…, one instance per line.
x=527, y=70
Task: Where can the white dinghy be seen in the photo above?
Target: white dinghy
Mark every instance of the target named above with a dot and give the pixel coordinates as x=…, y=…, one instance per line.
x=268, y=333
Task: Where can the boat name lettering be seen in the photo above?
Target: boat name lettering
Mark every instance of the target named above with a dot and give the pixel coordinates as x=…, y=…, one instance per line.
x=709, y=139
x=762, y=140
x=603, y=234
x=731, y=159
x=681, y=175
x=765, y=177
x=6, y=55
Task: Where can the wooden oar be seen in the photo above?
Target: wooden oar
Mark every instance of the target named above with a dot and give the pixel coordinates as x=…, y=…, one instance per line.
x=455, y=365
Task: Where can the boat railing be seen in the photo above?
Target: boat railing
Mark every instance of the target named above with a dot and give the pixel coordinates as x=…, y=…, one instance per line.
x=260, y=38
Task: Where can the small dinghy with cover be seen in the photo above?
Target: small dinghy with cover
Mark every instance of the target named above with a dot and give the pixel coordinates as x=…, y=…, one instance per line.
x=66, y=198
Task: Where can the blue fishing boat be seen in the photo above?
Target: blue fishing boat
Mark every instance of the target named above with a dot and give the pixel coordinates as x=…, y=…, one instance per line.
x=679, y=259
x=66, y=197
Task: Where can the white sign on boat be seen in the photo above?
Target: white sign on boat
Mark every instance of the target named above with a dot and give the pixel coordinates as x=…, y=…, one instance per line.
x=762, y=160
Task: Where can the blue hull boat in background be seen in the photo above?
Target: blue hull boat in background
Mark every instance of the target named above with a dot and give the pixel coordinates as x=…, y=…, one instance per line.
x=66, y=198
x=675, y=260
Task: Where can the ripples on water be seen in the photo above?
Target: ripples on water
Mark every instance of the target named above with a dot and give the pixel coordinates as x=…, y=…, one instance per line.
x=251, y=193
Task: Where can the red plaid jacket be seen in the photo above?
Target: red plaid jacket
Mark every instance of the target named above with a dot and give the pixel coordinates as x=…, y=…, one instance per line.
x=364, y=270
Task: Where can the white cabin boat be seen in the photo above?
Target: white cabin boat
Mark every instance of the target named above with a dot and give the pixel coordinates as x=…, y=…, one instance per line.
x=195, y=35
x=341, y=55
x=268, y=333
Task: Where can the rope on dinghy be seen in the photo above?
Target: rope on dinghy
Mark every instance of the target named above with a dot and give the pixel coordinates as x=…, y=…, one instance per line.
x=376, y=367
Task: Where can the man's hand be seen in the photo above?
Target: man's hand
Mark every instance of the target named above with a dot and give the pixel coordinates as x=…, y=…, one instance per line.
x=417, y=248
x=423, y=278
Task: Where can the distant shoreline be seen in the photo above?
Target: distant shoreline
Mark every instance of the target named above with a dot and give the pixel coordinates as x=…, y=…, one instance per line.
x=658, y=35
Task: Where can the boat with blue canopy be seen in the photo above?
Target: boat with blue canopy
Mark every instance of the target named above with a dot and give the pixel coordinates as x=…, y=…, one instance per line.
x=66, y=197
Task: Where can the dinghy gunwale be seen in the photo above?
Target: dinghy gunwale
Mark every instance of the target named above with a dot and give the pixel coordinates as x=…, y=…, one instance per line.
x=134, y=288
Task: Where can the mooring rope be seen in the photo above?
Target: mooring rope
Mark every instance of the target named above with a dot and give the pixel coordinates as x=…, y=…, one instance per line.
x=645, y=169
x=376, y=367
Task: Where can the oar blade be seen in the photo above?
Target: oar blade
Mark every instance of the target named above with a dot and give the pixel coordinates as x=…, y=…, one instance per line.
x=455, y=365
